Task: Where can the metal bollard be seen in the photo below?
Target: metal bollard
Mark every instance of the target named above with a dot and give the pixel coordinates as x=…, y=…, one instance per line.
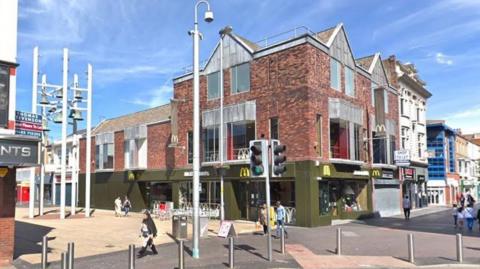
x=459, y=248
x=411, y=257
x=131, y=256
x=230, y=252
x=282, y=240
x=63, y=260
x=339, y=241
x=181, y=258
x=44, y=252
x=71, y=255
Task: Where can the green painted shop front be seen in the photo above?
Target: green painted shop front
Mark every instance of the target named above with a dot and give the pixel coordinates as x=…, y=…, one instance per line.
x=301, y=188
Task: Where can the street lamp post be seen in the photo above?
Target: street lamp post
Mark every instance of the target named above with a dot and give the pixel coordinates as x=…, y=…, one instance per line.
x=196, y=125
x=222, y=33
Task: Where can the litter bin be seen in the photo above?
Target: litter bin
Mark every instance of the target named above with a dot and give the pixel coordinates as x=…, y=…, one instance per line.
x=179, y=226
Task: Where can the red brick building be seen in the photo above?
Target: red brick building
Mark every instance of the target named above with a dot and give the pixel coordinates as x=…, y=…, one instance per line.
x=337, y=115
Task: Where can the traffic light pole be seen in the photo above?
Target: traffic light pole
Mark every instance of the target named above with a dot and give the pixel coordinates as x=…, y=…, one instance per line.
x=267, y=197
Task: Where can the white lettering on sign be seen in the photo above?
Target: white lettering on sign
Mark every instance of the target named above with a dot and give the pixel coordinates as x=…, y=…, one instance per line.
x=16, y=151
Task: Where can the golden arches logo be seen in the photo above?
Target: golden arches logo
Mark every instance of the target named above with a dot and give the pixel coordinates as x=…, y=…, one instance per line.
x=244, y=172
x=376, y=173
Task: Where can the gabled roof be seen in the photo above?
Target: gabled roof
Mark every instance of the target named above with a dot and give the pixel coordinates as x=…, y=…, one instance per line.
x=365, y=62
x=251, y=46
x=149, y=116
x=325, y=35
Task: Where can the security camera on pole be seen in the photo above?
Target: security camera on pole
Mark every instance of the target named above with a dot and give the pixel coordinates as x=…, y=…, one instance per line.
x=196, y=125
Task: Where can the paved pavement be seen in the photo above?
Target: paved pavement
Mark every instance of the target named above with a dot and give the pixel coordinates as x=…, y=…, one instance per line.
x=374, y=243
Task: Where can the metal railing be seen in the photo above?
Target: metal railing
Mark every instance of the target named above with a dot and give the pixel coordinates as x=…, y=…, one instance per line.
x=284, y=36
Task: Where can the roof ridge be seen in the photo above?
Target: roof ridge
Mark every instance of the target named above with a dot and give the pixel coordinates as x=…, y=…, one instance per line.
x=136, y=112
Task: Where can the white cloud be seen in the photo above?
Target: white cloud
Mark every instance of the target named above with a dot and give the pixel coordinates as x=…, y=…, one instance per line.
x=443, y=59
x=472, y=112
x=154, y=97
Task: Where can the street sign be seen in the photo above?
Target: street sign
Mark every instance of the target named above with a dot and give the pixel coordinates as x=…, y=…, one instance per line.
x=202, y=174
x=28, y=124
x=19, y=152
x=227, y=230
x=402, y=157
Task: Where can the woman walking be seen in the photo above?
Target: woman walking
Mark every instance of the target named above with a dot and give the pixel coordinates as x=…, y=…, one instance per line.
x=148, y=231
x=263, y=219
x=118, y=207
x=468, y=214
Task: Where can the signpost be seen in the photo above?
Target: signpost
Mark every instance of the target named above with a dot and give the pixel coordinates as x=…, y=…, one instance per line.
x=28, y=124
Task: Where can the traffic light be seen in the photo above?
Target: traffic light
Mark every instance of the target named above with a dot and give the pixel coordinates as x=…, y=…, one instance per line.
x=278, y=158
x=258, y=157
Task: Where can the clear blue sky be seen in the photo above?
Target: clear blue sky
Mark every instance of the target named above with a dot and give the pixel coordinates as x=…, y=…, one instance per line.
x=137, y=46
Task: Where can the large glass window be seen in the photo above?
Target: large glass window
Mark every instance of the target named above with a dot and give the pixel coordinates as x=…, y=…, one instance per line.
x=239, y=135
x=104, y=156
x=4, y=94
x=349, y=81
x=210, y=144
x=241, y=78
x=339, y=137
x=274, y=128
x=379, y=149
x=335, y=74
x=357, y=133
x=135, y=153
x=213, y=85
x=393, y=146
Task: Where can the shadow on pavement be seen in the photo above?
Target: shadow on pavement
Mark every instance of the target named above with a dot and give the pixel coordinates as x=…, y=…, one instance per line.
x=28, y=238
x=440, y=222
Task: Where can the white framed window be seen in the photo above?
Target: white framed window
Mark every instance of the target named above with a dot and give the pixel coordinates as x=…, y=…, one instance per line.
x=135, y=153
x=104, y=156
x=349, y=81
x=240, y=78
x=335, y=69
x=385, y=98
x=213, y=85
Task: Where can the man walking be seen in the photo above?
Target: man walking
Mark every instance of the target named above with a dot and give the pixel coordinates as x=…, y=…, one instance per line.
x=281, y=215
x=406, y=207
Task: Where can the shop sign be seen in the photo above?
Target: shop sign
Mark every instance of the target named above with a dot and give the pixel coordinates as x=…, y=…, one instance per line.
x=387, y=174
x=408, y=173
x=244, y=172
x=421, y=178
x=402, y=157
x=28, y=124
x=360, y=173
x=227, y=230
x=376, y=172
x=19, y=152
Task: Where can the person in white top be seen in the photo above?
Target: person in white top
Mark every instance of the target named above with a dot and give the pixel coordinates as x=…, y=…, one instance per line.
x=455, y=215
x=118, y=207
x=406, y=207
x=468, y=214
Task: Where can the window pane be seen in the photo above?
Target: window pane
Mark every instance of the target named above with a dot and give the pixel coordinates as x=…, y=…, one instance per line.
x=349, y=82
x=241, y=78
x=213, y=85
x=210, y=143
x=374, y=86
x=274, y=128
x=4, y=94
x=97, y=157
x=318, y=128
x=358, y=141
x=190, y=146
x=334, y=74
x=339, y=138
x=379, y=149
x=385, y=98
x=239, y=135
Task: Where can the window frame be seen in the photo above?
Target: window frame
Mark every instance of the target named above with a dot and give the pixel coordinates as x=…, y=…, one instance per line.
x=349, y=74
x=234, y=79
x=189, y=148
x=7, y=95
x=100, y=156
x=385, y=100
x=277, y=127
x=318, y=132
x=209, y=77
x=338, y=74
